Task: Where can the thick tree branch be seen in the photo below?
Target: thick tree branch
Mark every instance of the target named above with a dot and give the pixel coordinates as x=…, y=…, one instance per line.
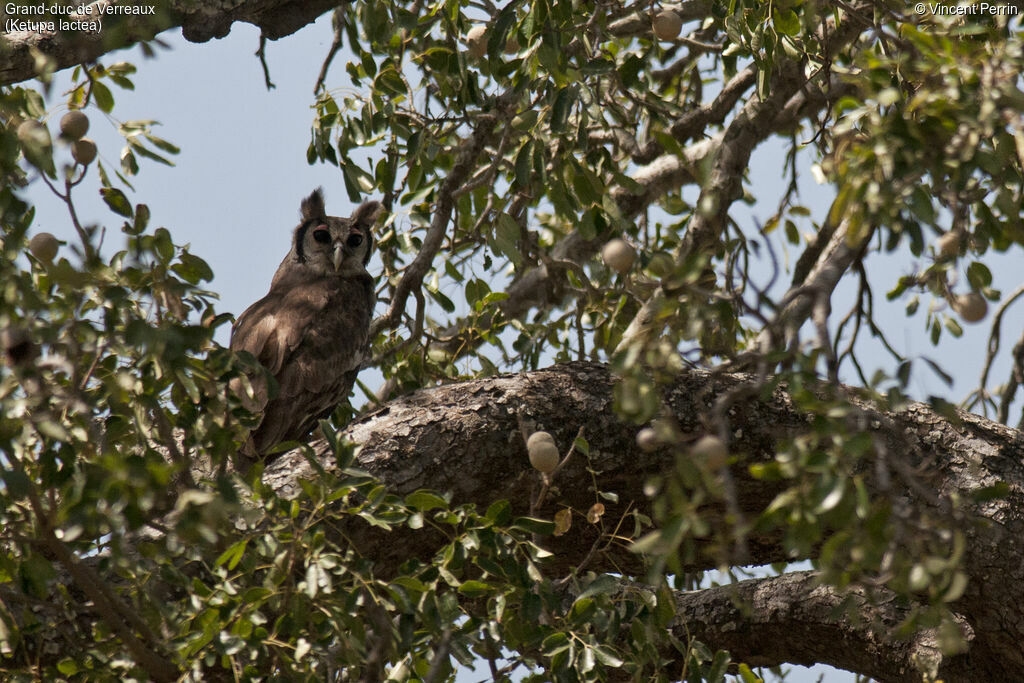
x=640, y=23
x=756, y=120
x=696, y=121
x=794, y=619
x=835, y=259
x=465, y=438
x=199, y=22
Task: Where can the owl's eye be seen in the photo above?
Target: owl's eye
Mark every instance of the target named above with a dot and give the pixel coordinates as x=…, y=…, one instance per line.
x=354, y=240
x=322, y=235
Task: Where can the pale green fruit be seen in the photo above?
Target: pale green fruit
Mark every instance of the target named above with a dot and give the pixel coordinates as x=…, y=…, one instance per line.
x=543, y=452
x=84, y=151
x=647, y=439
x=971, y=307
x=43, y=246
x=667, y=25
x=74, y=125
x=537, y=437
x=476, y=42
x=618, y=255
x=31, y=133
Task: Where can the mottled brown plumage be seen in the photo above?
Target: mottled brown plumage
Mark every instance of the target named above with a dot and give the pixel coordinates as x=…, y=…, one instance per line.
x=311, y=330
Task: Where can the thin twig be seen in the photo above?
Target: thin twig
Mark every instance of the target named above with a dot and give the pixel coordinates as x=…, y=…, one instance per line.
x=335, y=46
x=550, y=477
x=263, y=62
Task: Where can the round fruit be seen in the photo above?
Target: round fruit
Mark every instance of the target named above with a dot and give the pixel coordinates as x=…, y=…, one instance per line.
x=711, y=450
x=972, y=307
x=74, y=125
x=618, y=255
x=948, y=245
x=647, y=439
x=666, y=25
x=43, y=246
x=34, y=134
x=543, y=452
x=537, y=437
x=476, y=41
x=84, y=151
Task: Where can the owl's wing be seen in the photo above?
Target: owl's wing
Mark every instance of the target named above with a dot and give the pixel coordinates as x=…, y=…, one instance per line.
x=274, y=325
x=312, y=337
x=333, y=345
x=273, y=329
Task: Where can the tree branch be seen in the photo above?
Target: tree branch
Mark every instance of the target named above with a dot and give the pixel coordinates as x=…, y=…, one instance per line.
x=199, y=23
x=465, y=439
x=466, y=158
x=756, y=120
x=794, y=619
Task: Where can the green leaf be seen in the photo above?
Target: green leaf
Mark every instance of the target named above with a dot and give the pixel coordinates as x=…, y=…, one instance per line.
x=192, y=269
x=606, y=655
x=141, y=150
x=53, y=430
x=533, y=525
x=425, y=501
x=747, y=675
x=117, y=201
x=141, y=220
x=233, y=554
x=390, y=82
x=582, y=609
x=833, y=498
x=719, y=667
x=67, y=666
x=956, y=588
x=604, y=584
x=994, y=492
x=441, y=299
x=160, y=143
x=564, y=101
x=475, y=589
x=103, y=97
x=786, y=22
x=499, y=512
x=554, y=643
x=524, y=165
x=163, y=245
x=506, y=238
x=979, y=275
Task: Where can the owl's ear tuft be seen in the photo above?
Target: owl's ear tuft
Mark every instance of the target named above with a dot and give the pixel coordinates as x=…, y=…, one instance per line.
x=367, y=214
x=313, y=205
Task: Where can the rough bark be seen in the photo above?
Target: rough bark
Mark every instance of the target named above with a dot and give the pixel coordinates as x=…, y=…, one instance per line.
x=199, y=22
x=791, y=618
x=465, y=438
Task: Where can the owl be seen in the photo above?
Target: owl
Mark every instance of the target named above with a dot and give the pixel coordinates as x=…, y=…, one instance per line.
x=311, y=330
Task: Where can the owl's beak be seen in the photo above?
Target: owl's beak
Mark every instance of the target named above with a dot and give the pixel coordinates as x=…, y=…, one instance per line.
x=339, y=254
